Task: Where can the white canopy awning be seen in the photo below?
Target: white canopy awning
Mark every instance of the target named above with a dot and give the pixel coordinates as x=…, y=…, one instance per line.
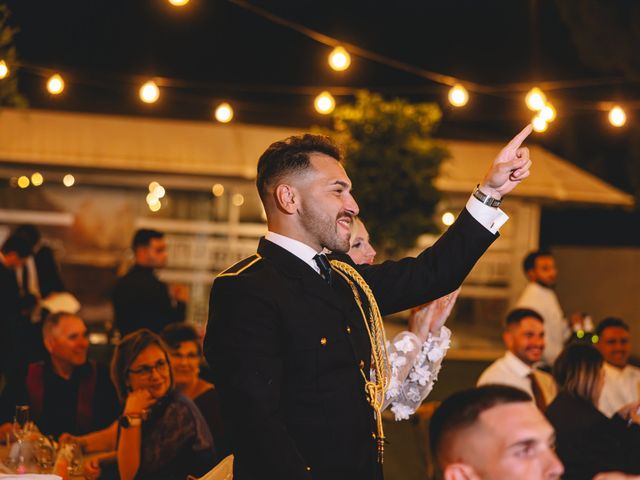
x=107, y=142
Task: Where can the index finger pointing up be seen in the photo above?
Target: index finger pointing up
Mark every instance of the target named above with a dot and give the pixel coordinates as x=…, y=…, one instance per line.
x=519, y=138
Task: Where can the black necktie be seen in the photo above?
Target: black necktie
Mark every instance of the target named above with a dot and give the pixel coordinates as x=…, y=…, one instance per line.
x=325, y=268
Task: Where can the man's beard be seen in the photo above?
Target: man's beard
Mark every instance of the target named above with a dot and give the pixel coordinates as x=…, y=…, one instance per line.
x=325, y=229
x=546, y=285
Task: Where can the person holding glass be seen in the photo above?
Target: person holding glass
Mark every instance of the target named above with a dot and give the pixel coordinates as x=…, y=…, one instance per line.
x=185, y=351
x=162, y=434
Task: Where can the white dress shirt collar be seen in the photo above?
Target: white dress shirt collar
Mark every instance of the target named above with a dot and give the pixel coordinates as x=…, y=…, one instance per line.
x=301, y=250
x=516, y=365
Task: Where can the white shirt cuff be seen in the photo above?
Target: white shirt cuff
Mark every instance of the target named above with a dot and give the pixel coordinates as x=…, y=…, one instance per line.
x=490, y=218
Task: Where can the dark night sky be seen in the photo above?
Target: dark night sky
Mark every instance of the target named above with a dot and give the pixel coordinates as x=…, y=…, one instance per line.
x=215, y=50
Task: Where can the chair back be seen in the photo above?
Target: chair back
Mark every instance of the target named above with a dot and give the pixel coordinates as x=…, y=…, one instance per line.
x=222, y=471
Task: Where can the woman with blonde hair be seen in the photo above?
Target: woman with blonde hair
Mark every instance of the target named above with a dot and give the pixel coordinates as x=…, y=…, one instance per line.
x=588, y=442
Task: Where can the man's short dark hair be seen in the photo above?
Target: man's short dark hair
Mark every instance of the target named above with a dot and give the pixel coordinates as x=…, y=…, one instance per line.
x=291, y=155
x=143, y=237
x=516, y=315
x=610, y=322
x=529, y=261
x=462, y=409
x=28, y=232
x=17, y=244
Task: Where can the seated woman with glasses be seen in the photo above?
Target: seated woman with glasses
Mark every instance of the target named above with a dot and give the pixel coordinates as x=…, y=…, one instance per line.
x=185, y=351
x=162, y=434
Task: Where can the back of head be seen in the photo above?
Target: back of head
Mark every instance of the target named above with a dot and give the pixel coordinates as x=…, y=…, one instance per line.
x=291, y=156
x=18, y=245
x=461, y=411
x=143, y=237
x=176, y=333
x=577, y=370
x=28, y=232
x=611, y=322
x=125, y=354
x=529, y=261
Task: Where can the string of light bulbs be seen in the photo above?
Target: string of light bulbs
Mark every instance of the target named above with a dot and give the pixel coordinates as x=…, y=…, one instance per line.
x=339, y=59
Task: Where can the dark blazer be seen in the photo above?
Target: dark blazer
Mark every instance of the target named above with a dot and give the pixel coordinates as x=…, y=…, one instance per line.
x=285, y=349
x=9, y=317
x=589, y=442
x=49, y=278
x=141, y=300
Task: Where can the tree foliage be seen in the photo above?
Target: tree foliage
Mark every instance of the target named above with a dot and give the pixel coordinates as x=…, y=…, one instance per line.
x=392, y=161
x=9, y=95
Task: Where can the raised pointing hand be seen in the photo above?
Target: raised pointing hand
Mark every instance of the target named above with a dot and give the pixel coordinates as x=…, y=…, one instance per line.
x=509, y=168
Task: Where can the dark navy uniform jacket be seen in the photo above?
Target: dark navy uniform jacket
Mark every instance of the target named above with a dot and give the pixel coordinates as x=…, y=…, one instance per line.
x=286, y=349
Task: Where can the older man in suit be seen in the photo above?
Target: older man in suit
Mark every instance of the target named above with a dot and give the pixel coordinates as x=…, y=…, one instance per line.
x=293, y=336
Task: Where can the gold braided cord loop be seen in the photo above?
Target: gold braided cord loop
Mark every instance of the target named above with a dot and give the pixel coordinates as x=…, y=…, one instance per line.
x=376, y=387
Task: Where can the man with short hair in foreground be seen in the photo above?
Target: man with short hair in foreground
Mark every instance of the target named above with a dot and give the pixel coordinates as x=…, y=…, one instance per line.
x=493, y=432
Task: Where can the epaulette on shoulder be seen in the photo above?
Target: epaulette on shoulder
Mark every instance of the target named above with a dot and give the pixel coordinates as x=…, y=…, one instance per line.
x=241, y=266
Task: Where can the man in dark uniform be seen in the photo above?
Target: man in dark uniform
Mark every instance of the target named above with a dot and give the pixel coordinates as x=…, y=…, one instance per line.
x=140, y=299
x=289, y=338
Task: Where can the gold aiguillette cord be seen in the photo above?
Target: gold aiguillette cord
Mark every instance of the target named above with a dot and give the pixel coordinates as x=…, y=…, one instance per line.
x=375, y=388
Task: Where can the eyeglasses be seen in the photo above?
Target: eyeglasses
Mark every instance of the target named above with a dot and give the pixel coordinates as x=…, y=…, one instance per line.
x=146, y=370
x=187, y=356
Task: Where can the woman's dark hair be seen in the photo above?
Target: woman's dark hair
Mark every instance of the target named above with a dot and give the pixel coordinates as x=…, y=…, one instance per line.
x=176, y=333
x=126, y=353
x=577, y=371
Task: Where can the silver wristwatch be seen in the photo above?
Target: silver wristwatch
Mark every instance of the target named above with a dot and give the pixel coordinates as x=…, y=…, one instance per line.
x=486, y=199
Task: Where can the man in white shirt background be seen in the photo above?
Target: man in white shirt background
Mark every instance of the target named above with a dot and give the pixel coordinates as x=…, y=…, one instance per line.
x=621, y=381
x=524, y=339
x=539, y=295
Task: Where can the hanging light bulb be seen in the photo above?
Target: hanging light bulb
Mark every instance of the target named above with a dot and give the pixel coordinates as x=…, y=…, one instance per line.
x=68, y=180
x=539, y=124
x=37, y=179
x=178, y=3
x=237, y=199
x=55, y=84
x=535, y=99
x=448, y=218
x=548, y=113
x=23, y=181
x=149, y=92
x=458, y=96
x=159, y=191
x=224, y=113
x=617, y=117
x=324, y=103
x=339, y=59
x=217, y=190
x=4, y=69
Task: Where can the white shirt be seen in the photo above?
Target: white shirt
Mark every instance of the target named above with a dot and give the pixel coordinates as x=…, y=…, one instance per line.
x=556, y=329
x=510, y=370
x=621, y=387
x=301, y=250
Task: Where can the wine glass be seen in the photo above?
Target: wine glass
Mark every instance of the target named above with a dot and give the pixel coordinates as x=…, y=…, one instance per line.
x=21, y=425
